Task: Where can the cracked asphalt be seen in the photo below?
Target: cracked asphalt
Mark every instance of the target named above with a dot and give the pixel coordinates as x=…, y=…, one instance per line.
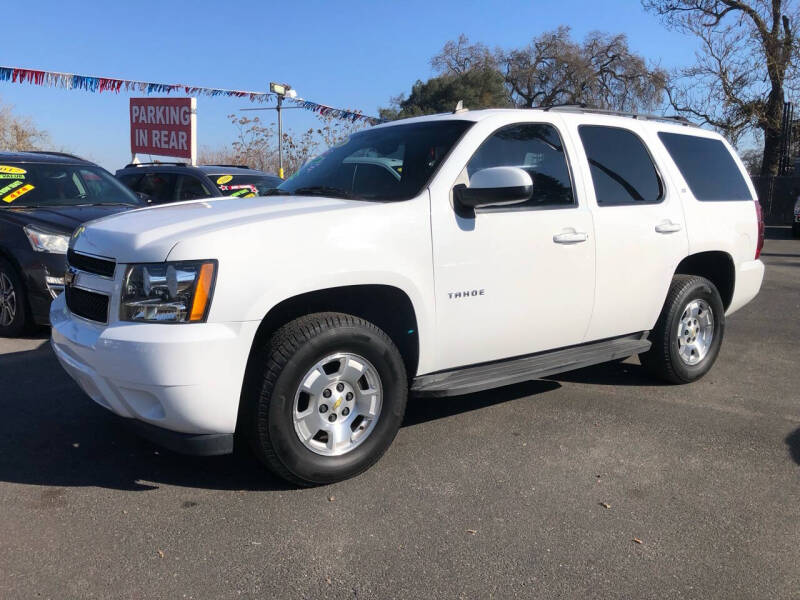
x=597, y=484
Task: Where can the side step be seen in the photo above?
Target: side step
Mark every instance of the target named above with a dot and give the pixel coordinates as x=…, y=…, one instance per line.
x=515, y=370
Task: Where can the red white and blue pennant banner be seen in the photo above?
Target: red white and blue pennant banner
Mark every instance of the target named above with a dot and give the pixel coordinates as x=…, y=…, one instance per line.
x=87, y=83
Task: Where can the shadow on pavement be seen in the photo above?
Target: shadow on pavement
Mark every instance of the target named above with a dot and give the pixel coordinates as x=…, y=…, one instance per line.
x=612, y=373
x=793, y=442
x=52, y=434
x=421, y=410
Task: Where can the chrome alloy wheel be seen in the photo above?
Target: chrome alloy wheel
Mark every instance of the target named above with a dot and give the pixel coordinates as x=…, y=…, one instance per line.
x=695, y=332
x=337, y=404
x=8, y=301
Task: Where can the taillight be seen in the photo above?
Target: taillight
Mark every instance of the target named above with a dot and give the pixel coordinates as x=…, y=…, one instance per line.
x=760, y=218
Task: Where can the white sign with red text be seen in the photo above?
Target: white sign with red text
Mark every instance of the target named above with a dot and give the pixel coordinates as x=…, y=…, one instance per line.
x=164, y=127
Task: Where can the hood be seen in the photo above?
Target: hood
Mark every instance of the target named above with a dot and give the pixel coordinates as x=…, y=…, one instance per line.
x=148, y=234
x=59, y=219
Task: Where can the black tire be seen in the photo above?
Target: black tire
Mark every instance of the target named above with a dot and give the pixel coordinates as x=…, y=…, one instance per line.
x=796, y=230
x=276, y=375
x=663, y=359
x=20, y=322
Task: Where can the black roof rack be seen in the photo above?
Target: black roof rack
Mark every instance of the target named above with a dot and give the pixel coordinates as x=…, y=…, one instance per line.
x=64, y=154
x=619, y=113
x=227, y=166
x=157, y=162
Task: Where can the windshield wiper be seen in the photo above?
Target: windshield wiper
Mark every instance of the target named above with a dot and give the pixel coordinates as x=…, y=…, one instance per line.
x=322, y=190
x=275, y=192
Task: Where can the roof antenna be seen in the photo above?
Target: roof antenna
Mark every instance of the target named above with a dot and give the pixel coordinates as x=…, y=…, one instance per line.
x=460, y=108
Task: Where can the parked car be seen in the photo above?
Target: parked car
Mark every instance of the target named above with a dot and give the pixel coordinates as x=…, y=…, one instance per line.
x=514, y=244
x=169, y=182
x=796, y=219
x=44, y=196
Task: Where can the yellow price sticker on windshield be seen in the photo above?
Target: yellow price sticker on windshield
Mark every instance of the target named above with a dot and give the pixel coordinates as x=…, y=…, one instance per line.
x=10, y=186
x=250, y=195
x=16, y=194
x=224, y=179
x=14, y=170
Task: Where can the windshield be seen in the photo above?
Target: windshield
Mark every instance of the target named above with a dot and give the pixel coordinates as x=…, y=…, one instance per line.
x=386, y=163
x=244, y=186
x=51, y=184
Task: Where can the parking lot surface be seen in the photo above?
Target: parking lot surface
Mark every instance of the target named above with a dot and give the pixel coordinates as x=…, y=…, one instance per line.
x=599, y=483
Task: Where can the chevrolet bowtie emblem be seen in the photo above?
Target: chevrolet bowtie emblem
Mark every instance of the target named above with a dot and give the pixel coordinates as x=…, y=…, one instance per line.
x=338, y=402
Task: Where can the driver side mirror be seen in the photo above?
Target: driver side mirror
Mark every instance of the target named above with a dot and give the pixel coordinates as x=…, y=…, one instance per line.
x=495, y=186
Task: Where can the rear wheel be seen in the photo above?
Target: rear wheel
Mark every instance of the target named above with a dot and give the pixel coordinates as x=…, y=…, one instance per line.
x=13, y=304
x=796, y=230
x=688, y=335
x=329, y=396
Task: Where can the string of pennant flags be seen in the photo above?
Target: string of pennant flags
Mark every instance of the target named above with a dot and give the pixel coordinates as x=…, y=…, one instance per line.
x=71, y=81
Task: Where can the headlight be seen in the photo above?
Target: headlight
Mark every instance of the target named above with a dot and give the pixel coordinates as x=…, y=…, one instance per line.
x=46, y=241
x=173, y=292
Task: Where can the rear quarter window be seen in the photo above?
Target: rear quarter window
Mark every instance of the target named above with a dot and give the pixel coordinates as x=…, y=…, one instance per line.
x=707, y=166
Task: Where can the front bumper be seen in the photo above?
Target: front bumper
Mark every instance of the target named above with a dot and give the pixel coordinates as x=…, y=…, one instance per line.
x=195, y=444
x=184, y=378
x=43, y=275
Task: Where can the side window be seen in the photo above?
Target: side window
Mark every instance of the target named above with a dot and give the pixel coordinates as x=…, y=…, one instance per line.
x=131, y=181
x=158, y=186
x=707, y=166
x=191, y=188
x=621, y=167
x=537, y=148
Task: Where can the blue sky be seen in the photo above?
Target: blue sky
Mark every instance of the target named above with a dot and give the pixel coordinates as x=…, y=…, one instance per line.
x=344, y=54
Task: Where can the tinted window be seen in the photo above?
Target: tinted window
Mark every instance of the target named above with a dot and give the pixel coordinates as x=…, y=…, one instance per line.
x=537, y=149
x=130, y=180
x=413, y=152
x=191, y=188
x=622, y=170
x=159, y=187
x=54, y=184
x=377, y=178
x=707, y=167
x=244, y=185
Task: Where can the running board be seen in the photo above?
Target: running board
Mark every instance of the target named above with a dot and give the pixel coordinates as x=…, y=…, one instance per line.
x=515, y=370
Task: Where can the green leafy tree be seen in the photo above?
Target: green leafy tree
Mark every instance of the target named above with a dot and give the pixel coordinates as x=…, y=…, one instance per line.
x=478, y=88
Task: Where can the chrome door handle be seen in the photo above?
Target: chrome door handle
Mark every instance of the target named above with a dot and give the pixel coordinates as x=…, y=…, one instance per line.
x=668, y=227
x=570, y=237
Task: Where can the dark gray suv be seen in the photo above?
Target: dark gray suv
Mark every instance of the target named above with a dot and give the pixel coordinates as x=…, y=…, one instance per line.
x=159, y=183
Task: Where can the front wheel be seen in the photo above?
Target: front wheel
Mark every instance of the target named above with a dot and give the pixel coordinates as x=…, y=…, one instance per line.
x=688, y=334
x=13, y=306
x=328, y=400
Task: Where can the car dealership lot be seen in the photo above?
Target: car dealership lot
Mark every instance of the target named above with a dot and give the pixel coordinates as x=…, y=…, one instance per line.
x=538, y=490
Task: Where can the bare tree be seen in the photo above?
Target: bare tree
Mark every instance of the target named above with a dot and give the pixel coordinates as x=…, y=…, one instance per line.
x=459, y=56
x=747, y=59
x=256, y=143
x=19, y=133
x=553, y=68
x=602, y=72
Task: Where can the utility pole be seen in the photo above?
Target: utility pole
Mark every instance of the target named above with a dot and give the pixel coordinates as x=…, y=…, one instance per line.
x=280, y=138
x=281, y=90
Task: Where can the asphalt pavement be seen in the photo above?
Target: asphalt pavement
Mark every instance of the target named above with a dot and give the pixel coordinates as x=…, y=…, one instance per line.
x=597, y=484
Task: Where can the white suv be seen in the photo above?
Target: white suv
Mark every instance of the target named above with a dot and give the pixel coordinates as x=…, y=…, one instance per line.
x=438, y=255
